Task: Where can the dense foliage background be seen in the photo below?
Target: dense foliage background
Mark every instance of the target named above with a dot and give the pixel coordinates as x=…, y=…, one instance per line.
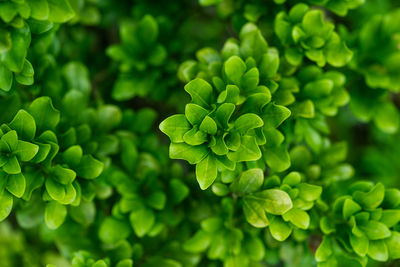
x=199, y=133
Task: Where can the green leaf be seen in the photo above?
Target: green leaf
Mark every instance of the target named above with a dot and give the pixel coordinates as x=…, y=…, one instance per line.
x=73, y=155
x=371, y=199
x=298, y=217
x=12, y=166
x=62, y=175
x=89, y=167
x=224, y=113
x=195, y=114
x=277, y=157
x=390, y=217
x=375, y=230
x=60, y=11
x=206, y=171
x=113, y=230
x=393, y=244
x=45, y=115
x=360, y=244
x=249, y=181
x=192, y=154
x=378, y=250
x=234, y=69
x=55, y=189
x=16, y=184
x=142, y=220
x=349, y=208
x=14, y=58
x=54, y=214
x=273, y=201
x=175, y=127
x=247, y=151
x=147, y=30
x=200, y=91
x=77, y=76
x=26, y=151
x=273, y=115
x=208, y=125
x=194, y=137
x=254, y=213
x=10, y=140
x=387, y=118
x=309, y=192
x=157, y=200
x=312, y=22
x=337, y=52
x=24, y=124
x=6, y=78
x=324, y=250
x=279, y=229
x=198, y=243
x=6, y=203
x=247, y=122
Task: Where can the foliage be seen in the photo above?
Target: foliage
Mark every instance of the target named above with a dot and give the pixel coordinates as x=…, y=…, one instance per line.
x=199, y=133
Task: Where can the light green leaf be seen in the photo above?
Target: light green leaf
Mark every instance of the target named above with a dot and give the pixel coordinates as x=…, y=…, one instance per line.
x=273, y=201
x=194, y=114
x=279, y=229
x=254, y=213
x=175, y=127
x=393, y=244
x=234, y=69
x=371, y=199
x=206, y=171
x=192, y=154
x=89, y=167
x=26, y=151
x=198, y=243
x=378, y=250
x=55, y=214
x=24, y=124
x=273, y=115
x=60, y=11
x=113, y=230
x=247, y=151
x=45, y=115
x=200, y=91
x=16, y=184
x=249, y=181
x=298, y=217
x=209, y=126
x=247, y=122
x=142, y=220
x=6, y=203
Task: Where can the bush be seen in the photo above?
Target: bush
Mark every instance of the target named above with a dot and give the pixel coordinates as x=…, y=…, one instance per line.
x=199, y=133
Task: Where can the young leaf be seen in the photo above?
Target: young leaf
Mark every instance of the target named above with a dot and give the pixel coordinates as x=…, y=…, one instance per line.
x=192, y=154
x=142, y=220
x=273, y=201
x=24, y=124
x=16, y=184
x=279, y=229
x=45, y=115
x=200, y=91
x=26, y=151
x=206, y=171
x=89, y=167
x=247, y=122
x=6, y=203
x=175, y=127
x=254, y=213
x=55, y=214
